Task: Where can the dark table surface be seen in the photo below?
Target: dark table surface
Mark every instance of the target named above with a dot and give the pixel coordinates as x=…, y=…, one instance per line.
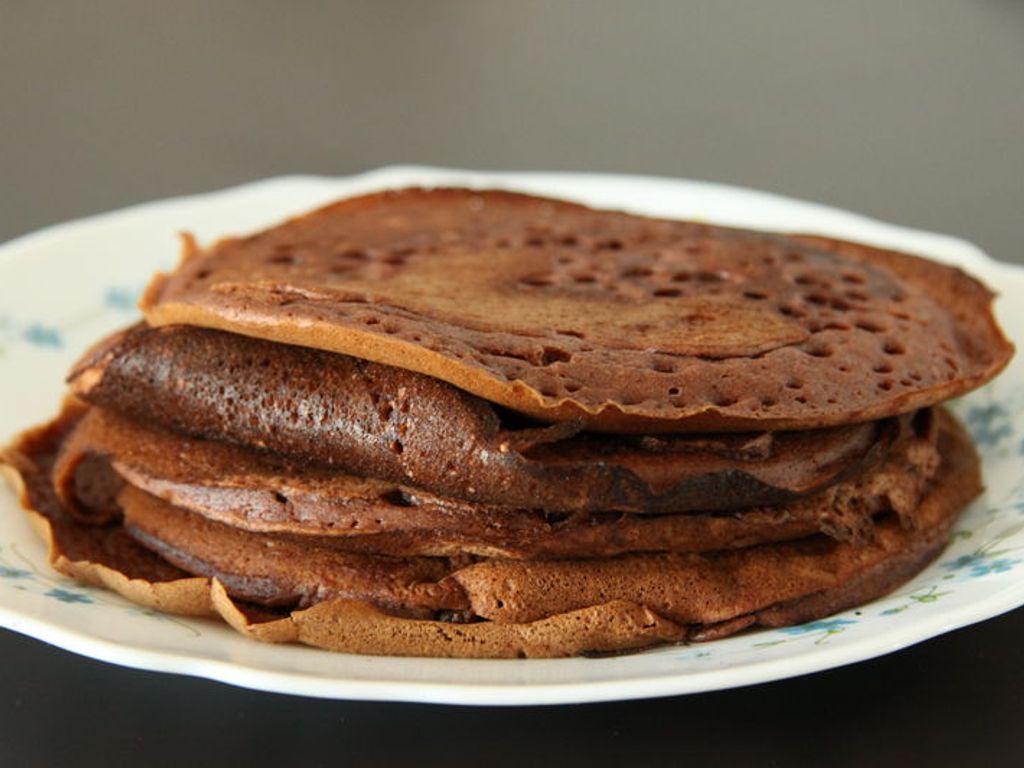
x=911, y=112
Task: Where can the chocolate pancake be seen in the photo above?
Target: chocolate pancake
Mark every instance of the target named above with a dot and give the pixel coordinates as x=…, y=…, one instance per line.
x=101, y=555
x=266, y=493
x=628, y=323
x=107, y=556
x=627, y=602
x=279, y=571
x=692, y=589
x=387, y=423
x=354, y=627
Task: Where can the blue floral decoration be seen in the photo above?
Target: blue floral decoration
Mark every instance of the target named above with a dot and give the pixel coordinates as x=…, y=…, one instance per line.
x=979, y=564
x=1002, y=565
x=13, y=573
x=43, y=336
x=824, y=625
x=121, y=299
x=989, y=424
x=67, y=596
x=51, y=336
x=964, y=561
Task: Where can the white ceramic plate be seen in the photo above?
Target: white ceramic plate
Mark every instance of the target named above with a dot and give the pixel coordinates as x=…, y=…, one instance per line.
x=65, y=286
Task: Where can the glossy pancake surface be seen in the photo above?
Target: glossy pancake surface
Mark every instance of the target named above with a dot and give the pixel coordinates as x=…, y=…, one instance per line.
x=388, y=423
x=261, y=492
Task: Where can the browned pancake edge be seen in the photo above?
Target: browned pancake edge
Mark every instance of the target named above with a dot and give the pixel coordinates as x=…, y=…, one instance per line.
x=629, y=323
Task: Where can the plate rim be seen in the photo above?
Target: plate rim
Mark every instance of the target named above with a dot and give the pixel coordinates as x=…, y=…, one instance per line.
x=1005, y=599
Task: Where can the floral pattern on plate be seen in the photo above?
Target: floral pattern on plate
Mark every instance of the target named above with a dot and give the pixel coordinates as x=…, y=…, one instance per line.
x=981, y=573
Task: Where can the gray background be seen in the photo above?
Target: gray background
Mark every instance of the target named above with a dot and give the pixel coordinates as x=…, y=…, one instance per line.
x=909, y=111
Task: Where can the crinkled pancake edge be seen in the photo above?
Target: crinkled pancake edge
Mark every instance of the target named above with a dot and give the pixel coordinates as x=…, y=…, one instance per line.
x=355, y=627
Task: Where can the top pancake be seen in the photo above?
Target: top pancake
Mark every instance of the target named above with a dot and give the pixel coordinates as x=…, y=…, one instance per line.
x=632, y=324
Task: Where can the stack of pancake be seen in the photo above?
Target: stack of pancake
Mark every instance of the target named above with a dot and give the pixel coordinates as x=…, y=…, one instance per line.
x=461, y=423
